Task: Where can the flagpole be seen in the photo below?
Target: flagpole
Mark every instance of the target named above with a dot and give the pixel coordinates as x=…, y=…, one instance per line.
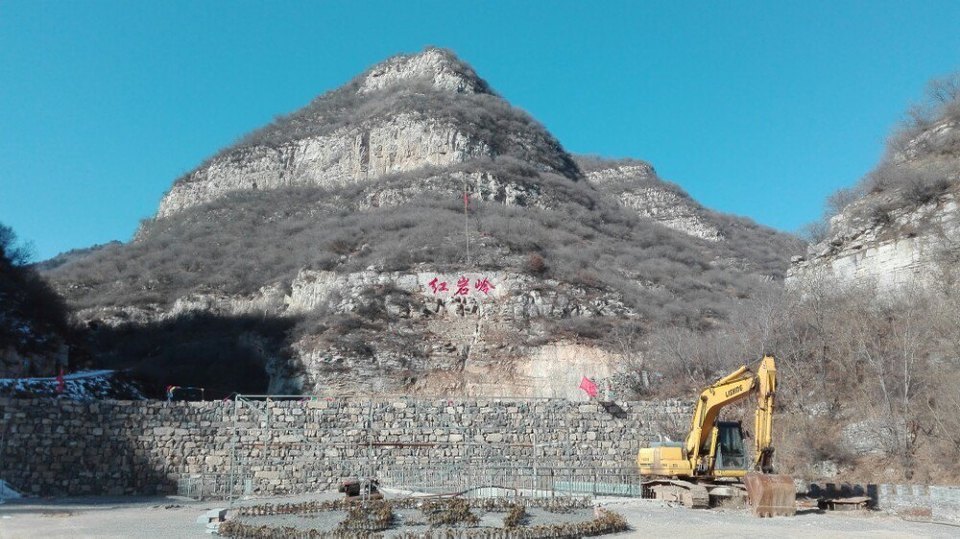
x=466, y=220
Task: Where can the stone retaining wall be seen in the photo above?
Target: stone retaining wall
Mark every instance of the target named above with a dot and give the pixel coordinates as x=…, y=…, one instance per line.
x=52, y=447
x=916, y=502
x=937, y=503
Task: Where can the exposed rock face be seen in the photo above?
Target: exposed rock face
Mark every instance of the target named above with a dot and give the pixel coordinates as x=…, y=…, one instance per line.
x=476, y=330
x=352, y=155
x=637, y=187
x=431, y=65
x=370, y=142
x=482, y=186
x=915, y=247
x=331, y=247
x=906, y=229
x=503, y=294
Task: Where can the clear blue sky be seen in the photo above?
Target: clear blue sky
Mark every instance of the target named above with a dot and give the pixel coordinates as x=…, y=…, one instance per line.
x=756, y=108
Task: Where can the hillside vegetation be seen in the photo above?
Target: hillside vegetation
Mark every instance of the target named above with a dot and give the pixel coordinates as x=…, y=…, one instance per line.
x=871, y=367
x=249, y=239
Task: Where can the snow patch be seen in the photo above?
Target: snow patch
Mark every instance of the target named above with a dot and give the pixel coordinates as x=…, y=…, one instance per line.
x=7, y=492
x=80, y=386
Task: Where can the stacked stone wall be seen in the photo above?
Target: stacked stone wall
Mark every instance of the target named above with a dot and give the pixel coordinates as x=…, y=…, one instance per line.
x=56, y=447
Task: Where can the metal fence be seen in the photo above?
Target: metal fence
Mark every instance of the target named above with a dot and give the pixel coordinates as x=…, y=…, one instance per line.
x=217, y=486
x=519, y=480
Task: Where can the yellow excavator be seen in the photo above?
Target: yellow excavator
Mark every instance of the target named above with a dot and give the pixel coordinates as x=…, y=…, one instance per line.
x=712, y=464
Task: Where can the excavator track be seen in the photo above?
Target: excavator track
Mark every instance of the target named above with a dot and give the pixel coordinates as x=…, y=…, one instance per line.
x=688, y=494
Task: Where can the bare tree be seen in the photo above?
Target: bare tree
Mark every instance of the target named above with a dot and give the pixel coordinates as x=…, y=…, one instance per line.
x=945, y=89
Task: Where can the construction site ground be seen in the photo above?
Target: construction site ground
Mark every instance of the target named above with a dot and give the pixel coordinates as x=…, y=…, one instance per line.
x=176, y=517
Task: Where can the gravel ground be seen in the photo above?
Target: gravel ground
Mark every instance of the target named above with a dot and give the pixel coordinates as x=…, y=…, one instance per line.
x=175, y=518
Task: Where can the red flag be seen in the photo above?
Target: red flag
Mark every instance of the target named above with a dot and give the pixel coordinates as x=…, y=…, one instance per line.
x=466, y=199
x=61, y=383
x=587, y=385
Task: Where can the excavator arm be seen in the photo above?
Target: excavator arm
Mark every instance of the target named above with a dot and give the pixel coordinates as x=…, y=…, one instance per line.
x=766, y=380
x=732, y=388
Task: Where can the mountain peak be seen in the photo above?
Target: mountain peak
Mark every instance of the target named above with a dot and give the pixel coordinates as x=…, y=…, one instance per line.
x=439, y=67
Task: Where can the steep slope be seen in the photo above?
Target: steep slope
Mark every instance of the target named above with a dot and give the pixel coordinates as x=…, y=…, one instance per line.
x=901, y=225
x=409, y=232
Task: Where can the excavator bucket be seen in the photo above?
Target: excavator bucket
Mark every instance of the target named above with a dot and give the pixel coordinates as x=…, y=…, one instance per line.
x=771, y=495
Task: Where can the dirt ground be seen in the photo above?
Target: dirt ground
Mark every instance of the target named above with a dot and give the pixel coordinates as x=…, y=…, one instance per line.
x=176, y=517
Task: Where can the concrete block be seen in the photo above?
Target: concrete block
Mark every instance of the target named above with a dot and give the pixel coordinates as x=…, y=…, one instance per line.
x=218, y=514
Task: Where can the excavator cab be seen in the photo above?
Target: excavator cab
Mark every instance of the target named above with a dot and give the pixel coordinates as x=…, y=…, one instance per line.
x=731, y=454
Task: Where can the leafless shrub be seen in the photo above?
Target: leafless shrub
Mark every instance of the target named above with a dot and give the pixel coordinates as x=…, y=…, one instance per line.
x=840, y=199
x=816, y=231
x=516, y=516
x=880, y=214
x=33, y=317
x=367, y=516
x=924, y=184
x=449, y=512
x=536, y=264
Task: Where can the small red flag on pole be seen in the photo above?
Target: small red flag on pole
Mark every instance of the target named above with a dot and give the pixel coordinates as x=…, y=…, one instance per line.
x=587, y=385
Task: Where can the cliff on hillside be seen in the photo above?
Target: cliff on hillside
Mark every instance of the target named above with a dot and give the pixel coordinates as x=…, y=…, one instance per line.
x=901, y=225
x=331, y=251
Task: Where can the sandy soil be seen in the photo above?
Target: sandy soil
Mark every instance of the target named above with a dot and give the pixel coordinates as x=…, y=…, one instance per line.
x=175, y=518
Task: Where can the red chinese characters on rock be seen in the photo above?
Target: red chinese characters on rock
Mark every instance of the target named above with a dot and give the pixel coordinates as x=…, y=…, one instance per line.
x=463, y=288
x=438, y=286
x=484, y=285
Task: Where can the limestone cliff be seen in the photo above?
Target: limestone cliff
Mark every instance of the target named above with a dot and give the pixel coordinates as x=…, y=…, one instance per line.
x=907, y=246
x=349, y=155
x=904, y=228
x=636, y=186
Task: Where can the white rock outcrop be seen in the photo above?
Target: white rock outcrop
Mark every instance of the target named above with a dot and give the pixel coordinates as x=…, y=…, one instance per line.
x=637, y=187
x=475, y=327
x=913, y=247
x=431, y=65
x=400, y=143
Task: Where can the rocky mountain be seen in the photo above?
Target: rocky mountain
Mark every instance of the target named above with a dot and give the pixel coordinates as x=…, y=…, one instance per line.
x=901, y=225
x=411, y=232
